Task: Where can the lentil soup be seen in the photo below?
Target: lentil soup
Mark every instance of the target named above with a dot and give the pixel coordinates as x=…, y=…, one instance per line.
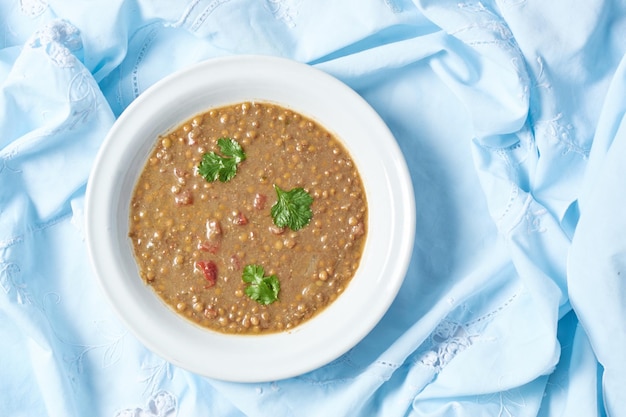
x=193, y=238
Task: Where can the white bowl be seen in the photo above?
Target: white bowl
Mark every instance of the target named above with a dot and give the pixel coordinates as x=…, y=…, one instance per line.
x=306, y=90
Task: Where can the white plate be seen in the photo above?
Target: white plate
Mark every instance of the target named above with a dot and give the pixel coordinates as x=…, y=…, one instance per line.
x=306, y=90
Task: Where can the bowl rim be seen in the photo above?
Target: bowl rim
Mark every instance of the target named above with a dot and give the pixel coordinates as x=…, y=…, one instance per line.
x=270, y=79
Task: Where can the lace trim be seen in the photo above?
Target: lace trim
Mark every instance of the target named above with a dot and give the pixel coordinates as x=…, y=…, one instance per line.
x=156, y=373
x=59, y=39
x=448, y=340
x=111, y=347
x=161, y=404
x=10, y=281
x=206, y=13
x=556, y=126
x=561, y=132
x=282, y=11
x=452, y=337
x=140, y=57
x=486, y=28
x=33, y=8
x=201, y=17
x=492, y=23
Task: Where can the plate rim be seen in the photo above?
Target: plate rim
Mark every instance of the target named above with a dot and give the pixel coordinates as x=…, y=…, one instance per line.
x=287, y=68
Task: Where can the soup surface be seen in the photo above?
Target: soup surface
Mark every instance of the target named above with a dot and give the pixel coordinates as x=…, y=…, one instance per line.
x=248, y=218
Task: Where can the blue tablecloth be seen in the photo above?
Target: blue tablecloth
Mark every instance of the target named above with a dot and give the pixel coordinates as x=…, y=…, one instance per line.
x=511, y=115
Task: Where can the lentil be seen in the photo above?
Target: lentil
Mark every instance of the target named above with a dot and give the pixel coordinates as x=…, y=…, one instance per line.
x=192, y=239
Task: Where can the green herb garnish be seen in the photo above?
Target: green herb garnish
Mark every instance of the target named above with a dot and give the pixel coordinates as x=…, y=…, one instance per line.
x=292, y=209
x=214, y=166
x=261, y=289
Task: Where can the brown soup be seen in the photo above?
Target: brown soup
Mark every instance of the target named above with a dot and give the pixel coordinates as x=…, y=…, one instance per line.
x=193, y=238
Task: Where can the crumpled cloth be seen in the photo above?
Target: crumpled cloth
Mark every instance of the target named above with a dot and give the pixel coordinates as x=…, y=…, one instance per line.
x=511, y=116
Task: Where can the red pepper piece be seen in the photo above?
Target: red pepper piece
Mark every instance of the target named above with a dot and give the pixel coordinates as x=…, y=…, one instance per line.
x=209, y=269
x=240, y=219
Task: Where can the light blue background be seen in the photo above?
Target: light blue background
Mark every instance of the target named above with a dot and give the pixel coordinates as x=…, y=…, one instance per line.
x=510, y=114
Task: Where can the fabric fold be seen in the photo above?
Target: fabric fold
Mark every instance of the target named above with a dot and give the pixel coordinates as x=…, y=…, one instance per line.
x=596, y=278
x=510, y=114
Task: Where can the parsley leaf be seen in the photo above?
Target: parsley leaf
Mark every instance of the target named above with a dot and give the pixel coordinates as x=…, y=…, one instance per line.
x=292, y=209
x=214, y=167
x=261, y=288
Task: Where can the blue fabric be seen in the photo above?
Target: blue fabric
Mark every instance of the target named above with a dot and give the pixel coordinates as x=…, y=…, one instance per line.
x=511, y=115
